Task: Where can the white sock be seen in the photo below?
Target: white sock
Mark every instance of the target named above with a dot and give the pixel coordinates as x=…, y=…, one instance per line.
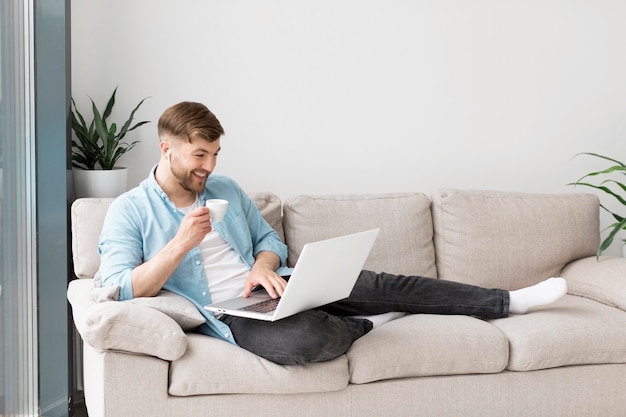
x=546, y=292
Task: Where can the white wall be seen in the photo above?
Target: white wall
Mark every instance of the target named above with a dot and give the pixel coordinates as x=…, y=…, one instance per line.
x=334, y=96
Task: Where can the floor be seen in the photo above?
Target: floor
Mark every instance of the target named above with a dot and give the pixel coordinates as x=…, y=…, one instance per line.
x=79, y=410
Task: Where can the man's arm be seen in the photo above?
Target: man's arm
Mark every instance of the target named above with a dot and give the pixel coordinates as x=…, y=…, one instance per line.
x=149, y=277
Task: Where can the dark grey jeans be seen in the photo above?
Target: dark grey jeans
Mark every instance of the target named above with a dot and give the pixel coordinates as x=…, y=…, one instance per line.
x=326, y=332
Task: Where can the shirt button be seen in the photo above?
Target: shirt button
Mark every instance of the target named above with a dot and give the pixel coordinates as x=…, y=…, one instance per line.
x=226, y=335
x=204, y=293
x=197, y=262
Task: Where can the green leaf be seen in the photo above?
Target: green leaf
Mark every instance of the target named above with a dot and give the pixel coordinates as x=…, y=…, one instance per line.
x=601, y=156
x=100, y=143
x=605, y=189
x=615, y=228
x=618, y=192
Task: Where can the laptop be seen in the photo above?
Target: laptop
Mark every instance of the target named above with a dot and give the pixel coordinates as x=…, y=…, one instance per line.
x=326, y=271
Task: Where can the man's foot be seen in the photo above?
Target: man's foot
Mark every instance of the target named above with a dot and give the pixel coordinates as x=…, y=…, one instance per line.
x=546, y=292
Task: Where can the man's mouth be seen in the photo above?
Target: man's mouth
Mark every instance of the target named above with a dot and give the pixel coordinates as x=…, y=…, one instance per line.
x=201, y=175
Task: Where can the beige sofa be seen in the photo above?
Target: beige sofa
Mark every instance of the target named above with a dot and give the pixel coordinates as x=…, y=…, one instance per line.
x=141, y=357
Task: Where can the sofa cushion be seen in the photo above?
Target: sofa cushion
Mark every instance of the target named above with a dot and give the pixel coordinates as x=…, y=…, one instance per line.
x=132, y=328
x=426, y=345
x=511, y=240
x=602, y=279
x=572, y=331
x=270, y=207
x=87, y=218
x=177, y=307
x=115, y=325
x=404, y=245
x=212, y=366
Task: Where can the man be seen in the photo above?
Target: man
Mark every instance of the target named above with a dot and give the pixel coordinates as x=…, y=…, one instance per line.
x=159, y=235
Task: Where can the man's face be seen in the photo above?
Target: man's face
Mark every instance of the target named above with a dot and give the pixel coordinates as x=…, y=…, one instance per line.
x=191, y=163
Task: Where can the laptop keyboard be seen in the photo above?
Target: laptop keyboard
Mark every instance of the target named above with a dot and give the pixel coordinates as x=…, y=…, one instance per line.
x=263, y=306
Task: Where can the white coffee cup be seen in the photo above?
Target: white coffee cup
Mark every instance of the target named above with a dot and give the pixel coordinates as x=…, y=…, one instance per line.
x=217, y=209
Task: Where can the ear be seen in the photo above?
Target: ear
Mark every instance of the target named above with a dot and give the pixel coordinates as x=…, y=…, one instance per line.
x=165, y=148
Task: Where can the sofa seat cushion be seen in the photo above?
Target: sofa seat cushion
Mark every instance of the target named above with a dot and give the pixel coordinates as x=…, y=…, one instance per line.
x=511, y=240
x=212, y=366
x=572, y=331
x=427, y=345
x=404, y=245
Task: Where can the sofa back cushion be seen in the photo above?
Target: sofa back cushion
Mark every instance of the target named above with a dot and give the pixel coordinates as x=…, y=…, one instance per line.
x=271, y=209
x=404, y=245
x=511, y=240
x=88, y=217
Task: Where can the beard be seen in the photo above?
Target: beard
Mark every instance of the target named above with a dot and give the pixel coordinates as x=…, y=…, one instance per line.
x=186, y=179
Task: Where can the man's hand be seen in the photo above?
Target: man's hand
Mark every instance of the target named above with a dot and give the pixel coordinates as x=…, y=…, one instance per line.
x=193, y=228
x=264, y=273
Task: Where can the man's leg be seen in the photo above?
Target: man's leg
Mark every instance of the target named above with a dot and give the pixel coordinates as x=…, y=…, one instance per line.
x=377, y=293
x=310, y=336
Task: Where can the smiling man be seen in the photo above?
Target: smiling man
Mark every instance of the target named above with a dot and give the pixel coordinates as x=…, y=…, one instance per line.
x=159, y=235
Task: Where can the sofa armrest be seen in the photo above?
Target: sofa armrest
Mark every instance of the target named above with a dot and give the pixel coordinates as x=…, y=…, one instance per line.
x=128, y=327
x=602, y=280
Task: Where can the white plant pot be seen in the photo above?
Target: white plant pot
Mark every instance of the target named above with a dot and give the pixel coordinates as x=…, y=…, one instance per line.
x=100, y=183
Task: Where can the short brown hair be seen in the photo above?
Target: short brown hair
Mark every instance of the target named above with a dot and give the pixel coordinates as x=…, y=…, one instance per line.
x=190, y=120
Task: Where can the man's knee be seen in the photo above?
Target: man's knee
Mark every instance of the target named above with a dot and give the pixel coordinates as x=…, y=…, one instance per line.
x=311, y=336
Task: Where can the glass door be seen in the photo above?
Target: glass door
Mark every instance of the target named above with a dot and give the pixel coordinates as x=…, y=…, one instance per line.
x=18, y=295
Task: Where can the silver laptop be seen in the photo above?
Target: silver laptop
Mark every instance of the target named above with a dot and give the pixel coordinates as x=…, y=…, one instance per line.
x=326, y=271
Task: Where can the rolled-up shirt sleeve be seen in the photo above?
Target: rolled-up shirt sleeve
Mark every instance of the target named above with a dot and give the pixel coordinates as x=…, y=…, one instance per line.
x=120, y=248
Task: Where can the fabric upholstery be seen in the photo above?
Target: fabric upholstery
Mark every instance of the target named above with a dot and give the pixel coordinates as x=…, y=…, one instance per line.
x=572, y=331
x=87, y=218
x=207, y=368
x=124, y=326
x=133, y=328
x=511, y=240
x=178, y=308
x=602, y=280
x=404, y=245
x=425, y=345
x=423, y=365
x=571, y=391
x=271, y=209
x=122, y=384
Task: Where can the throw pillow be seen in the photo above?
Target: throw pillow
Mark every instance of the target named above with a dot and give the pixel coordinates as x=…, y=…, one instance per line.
x=177, y=307
x=133, y=328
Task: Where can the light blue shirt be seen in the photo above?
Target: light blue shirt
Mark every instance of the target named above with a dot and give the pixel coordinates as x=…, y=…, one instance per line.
x=140, y=222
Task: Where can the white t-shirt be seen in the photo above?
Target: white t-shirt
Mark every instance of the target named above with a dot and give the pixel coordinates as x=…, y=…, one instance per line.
x=223, y=267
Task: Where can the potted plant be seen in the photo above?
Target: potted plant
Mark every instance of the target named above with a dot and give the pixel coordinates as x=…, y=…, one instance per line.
x=614, y=188
x=96, y=148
